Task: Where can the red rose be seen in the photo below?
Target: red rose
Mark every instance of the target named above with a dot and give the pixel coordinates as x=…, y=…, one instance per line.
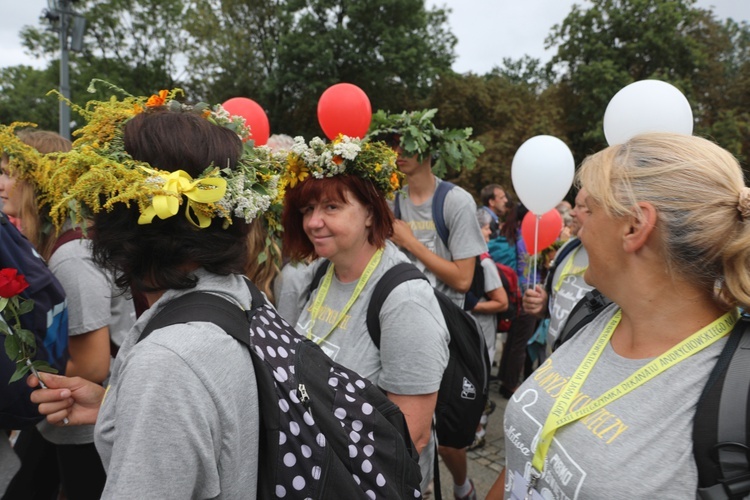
x=11, y=283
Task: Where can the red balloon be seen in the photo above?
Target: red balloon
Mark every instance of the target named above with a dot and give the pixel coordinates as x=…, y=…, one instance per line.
x=550, y=226
x=344, y=109
x=254, y=117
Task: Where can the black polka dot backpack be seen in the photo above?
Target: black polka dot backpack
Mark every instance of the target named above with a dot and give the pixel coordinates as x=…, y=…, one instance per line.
x=325, y=431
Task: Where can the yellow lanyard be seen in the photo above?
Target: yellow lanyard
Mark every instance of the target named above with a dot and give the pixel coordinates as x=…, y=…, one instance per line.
x=559, y=416
x=568, y=269
x=326, y=285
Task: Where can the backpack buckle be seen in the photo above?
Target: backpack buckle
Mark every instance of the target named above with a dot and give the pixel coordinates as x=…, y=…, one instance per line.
x=738, y=485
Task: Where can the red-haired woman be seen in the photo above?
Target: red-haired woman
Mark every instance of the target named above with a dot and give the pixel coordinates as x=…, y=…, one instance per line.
x=339, y=213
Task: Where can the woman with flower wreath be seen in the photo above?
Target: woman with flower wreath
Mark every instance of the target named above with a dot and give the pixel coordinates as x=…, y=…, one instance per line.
x=97, y=313
x=173, y=191
x=336, y=209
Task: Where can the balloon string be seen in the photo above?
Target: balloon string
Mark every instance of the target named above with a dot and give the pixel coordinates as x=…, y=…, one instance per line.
x=536, y=249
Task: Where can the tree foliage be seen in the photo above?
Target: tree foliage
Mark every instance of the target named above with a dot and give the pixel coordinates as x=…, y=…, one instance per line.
x=134, y=44
x=503, y=111
x=616, y=42
x=290, y=52
x=22, y=96
x=285, y=53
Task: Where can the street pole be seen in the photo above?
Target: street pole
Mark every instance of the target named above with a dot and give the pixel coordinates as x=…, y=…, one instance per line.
x=60, y=15
x=64, y=75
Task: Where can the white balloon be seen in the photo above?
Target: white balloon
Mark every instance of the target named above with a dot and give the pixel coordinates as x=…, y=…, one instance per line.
x=646, y=106
x=542, y=172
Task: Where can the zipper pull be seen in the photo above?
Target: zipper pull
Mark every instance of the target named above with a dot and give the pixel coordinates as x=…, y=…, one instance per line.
x=532, y=484
x=303, y=397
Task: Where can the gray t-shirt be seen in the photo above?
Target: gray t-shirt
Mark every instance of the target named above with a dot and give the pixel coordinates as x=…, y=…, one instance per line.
x=568, y=287
x=414, y=340
x=488, y=322
x=180, y=418
x=464, y=234
x=93, y=299
x=638, y=446
x=413, y=343
x=291, y=287
x=93, y=302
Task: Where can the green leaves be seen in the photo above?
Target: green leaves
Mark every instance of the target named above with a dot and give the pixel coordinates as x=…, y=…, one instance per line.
x=25, y=306
x=13, y=347
x=451, y=149
x=612, y=43
x=19, y=343
x=21, y=371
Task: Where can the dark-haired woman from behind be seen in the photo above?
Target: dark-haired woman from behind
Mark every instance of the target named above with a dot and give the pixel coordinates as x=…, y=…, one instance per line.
x=180, y=416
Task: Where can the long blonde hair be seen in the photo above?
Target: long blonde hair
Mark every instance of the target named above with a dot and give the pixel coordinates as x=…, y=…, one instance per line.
x=263, y=260
x=29, y=214
x=695, y=187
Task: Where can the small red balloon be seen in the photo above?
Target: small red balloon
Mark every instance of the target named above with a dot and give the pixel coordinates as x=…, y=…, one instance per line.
x=344, y=109
x=550, y=226
x=254, y=117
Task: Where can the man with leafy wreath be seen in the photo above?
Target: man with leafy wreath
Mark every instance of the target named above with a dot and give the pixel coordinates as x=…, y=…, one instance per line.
x=426, y=153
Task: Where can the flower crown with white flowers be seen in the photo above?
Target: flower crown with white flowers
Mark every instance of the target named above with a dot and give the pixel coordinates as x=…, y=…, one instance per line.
x=98, y=173
x=374, y=161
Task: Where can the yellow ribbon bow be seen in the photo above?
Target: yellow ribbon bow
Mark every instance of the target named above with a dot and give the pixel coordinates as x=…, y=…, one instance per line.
x=176, y=184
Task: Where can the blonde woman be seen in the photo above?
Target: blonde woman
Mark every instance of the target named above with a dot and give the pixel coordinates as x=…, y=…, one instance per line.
x=669, y=221
x=97, y=311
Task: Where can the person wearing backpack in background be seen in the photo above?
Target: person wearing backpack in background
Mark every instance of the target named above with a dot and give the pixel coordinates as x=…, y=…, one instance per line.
x=676, y=264
x=522, y=327
x=494, y=301
x=97, y=312
x=449, y=264
x=495, y=203
x=502, y=246
x=343, y=218
x=502, y=249
x=180, y=416
x=565, y=285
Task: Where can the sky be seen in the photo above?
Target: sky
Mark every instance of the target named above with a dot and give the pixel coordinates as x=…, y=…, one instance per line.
x=487, y=30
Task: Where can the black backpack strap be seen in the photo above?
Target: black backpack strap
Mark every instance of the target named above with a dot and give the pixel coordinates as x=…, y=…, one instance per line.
x=582, y=314
x=397, y=206
x=731, y=446
x=403, y=271
x=476, y=290
x=562, y=252
x=203, y=306
x=319, y=273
